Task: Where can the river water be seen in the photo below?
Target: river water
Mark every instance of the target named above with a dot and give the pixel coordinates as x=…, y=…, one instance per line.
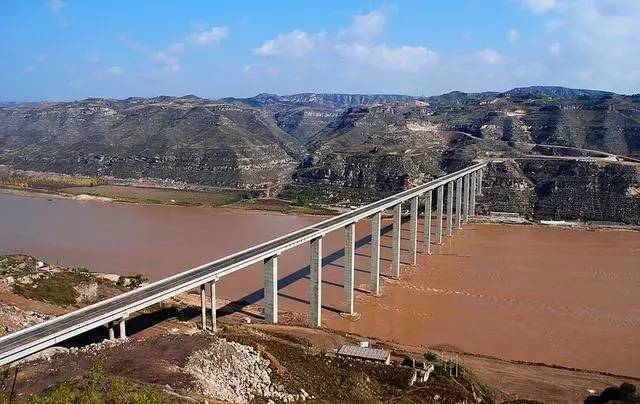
x=558, y=296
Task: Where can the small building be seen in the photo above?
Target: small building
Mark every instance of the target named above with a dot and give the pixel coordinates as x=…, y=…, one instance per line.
x=365, y=353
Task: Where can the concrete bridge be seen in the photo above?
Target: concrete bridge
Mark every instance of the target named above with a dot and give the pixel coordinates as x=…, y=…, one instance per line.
x=460, y=189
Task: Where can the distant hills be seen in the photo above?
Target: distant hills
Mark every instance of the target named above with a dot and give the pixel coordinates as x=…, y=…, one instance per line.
x=373, y=141
x=349, y=100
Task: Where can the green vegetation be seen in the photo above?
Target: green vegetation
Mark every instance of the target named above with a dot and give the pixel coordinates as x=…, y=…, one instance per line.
x=57, y=288
x=302, y=196
x=94, y=388
x=277, y=205
x=162, y=195
x=431, y=357
x=134, y=281
x=49, y=181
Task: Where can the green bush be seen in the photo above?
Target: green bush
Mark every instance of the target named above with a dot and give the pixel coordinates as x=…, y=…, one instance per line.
x=137, y=280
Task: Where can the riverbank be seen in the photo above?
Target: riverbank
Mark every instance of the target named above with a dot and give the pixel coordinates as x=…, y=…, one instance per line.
x=171, y=197
x=152, y=191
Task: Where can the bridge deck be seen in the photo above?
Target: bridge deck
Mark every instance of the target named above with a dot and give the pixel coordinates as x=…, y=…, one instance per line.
x=24, y=342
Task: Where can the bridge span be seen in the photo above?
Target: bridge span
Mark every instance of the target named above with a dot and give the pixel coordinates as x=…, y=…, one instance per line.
x=460, y=187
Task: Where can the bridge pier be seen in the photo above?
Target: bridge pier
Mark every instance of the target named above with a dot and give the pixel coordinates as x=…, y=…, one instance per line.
x=480, y=174
x=271, y=289
x=439, y=214
x=316, y=282
x=413, y=237
x=375, y=253
x=123, y=329
x=465, y=199
x=349, y=252
x=459, y=203
x=472, y=213
x=428, y=203
x=214, y=309
x=203, y=306
x=396, y=233
x=450, y=208
x=112, y=331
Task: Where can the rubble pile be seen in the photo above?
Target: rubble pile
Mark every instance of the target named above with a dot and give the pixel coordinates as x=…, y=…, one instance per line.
x=230, y=371
x=13, y=318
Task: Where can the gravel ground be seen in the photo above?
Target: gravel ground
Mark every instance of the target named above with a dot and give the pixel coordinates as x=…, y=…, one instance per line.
x=234, y=372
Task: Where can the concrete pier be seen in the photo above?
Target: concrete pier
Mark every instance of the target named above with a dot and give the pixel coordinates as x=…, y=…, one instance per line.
x=123, y=329
x=473, y=189
x=396, y=234
x=465, y=198
x=375, y=253
x=413, y=231
x=203, y=306
x=349, y=255
x=450, y=208
x=480, y=174
x=316, y=282
x=112, y=331
x=271, y=289
x=459, y=203
x=428, y=203
x=214, y=314
x=439, y=208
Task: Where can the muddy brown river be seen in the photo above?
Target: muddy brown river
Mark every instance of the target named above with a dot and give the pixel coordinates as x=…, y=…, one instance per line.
x=559, y=296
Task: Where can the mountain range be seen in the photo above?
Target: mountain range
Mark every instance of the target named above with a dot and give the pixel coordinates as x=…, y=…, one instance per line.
x=362, y=141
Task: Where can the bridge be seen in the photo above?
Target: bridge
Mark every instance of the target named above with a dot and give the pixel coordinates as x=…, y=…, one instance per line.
x=461, y=188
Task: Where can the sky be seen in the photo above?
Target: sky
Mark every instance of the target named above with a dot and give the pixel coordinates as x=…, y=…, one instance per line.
x=58, y=50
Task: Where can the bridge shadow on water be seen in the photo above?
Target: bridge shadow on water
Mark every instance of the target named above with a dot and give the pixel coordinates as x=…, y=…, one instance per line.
x=156, y=314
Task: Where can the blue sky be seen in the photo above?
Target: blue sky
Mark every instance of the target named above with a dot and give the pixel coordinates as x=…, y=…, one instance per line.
x=72, y=49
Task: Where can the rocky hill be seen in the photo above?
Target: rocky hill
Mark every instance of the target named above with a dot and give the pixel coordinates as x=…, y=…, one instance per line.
x=188, y=139
x=364, y=142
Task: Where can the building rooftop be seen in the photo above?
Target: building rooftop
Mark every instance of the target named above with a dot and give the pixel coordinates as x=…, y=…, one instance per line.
x=359, y=352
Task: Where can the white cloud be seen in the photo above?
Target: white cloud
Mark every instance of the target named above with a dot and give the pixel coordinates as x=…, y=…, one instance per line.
x=114, y=70
x=214, y=35
x=170, y=57
x=595, y=35
x=352, y=46
x=56, y=6
x=513, y=35
x=404, y=58
x=490, y=56
x=364, y=26
x=539, y=6
x=296, y=44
